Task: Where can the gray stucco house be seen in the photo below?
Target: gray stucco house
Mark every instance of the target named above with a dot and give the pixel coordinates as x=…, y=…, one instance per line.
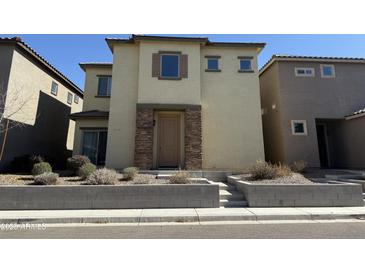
x=313, y=110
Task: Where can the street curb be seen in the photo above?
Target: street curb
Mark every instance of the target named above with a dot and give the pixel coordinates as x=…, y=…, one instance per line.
x=180, y=219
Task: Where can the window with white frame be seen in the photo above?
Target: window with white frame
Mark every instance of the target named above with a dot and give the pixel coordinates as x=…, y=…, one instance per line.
x=54, y=88
x=299, y=127
x=69, y=98
x=327, y=71
x=76, y=99
x=304, y=72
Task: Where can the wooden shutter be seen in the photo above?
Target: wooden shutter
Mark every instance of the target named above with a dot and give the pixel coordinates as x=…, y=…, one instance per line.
x=155, y=65
x=184, y=66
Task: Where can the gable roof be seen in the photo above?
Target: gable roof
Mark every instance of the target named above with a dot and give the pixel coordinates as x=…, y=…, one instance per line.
x=33, y=55
x=297, y=58
x=202, y=40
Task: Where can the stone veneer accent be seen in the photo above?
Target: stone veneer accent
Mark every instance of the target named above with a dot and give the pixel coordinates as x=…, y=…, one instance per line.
x=193, y=138
x=143, y=155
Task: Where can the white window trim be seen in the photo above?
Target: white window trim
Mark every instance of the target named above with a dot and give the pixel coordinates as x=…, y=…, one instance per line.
x=304, y=122
x=56, y=85
x=245, y=59
x=333, y=70
x=76, y=99
x=178, y=66
x=304, y=75
x=211, y=58
x=72, y=97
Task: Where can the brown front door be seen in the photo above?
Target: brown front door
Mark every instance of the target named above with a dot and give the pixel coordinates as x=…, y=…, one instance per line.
x=168, y=140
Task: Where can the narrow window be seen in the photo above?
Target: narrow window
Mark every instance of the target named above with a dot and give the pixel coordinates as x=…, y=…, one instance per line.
x=54, y=88
x=299, y=127
x=170, y=66
x=76, y=99
x=327, y=71
x=69, y=98
x=212, y=64
x=94, y=146
x=304, y=72
x=104, y=86
x=245, y=64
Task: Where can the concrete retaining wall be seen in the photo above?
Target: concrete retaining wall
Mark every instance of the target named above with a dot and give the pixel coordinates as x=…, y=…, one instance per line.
x=108, y=197
x=317, y=195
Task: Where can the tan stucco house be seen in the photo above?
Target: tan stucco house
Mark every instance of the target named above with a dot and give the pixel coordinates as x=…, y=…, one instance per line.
x=172, y=102
x=313, y=110
x=39, y=98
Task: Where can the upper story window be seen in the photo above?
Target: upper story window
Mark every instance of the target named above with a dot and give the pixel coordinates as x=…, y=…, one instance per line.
x=245, y=64
x=299, y=127
x=104, y=86
x=304, y=72
x=54, y=88
x=212, y=63
x=69, y=98
x=76, y=99
x=327, y=71
x=170, y=65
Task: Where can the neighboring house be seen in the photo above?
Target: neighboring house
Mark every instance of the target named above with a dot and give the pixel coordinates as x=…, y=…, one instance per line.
x=307, y=104
x=40, y=98
x=170, y=102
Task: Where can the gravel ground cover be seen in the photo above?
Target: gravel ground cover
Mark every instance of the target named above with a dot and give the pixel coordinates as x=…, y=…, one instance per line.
x=295, y=178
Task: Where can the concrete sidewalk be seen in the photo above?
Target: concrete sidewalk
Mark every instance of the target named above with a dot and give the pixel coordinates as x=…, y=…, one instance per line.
x=141, y=216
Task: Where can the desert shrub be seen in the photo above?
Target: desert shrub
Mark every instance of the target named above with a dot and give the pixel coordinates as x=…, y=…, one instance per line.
x=282, y=170
x=86, y=170
x=299, y=166
x=262, y=170
x=35, y=159
x=77, y=161
x=180, y=177
x=41, y=168
x=103, y=176
x=142, y=180
x=130, y=173
x=47, y=178
x=266, y=171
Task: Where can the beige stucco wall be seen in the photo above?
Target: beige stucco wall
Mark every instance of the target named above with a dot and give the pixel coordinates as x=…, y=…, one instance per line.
x=86, y=123
x=153, y=90
x=91, y=102
x=25, y=82
x=271, y=115
x=122, y=116
x=231, y=113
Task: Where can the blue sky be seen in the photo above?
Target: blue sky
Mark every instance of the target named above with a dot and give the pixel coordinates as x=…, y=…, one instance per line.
x=66, y=51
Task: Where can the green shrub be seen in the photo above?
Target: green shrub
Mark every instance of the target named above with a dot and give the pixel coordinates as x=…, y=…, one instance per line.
x=130, y=173
x=41, y=168
x=47, y=178
x=103, y=176
x=77, y=161
x=180, y=177
x=86, y=170
x=300, y=166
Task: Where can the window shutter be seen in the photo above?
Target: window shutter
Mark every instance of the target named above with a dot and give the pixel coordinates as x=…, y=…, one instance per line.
x=155, y=65
x=184, y=66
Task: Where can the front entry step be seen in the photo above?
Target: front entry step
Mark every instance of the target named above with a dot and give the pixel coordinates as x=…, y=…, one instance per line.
x=228, y=203
x=229, y=196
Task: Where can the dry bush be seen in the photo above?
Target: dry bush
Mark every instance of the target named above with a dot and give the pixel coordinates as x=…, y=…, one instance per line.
x=142, y=180
x=299, y=166
x=181, y=177
x=262, y=171
x=130, y=173
x=103, y=176
x=47, y=178
x=77, y=161
x=266, y=171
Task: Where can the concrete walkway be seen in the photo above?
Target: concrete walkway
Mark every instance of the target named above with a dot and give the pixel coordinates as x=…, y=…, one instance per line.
x=141, y=216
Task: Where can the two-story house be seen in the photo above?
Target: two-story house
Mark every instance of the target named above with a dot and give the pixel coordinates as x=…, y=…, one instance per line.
x=169, y=102
x=311, y=110
x=36, y=101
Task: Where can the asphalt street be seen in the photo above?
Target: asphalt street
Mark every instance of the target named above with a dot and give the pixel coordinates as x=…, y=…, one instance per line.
x=254, y=230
